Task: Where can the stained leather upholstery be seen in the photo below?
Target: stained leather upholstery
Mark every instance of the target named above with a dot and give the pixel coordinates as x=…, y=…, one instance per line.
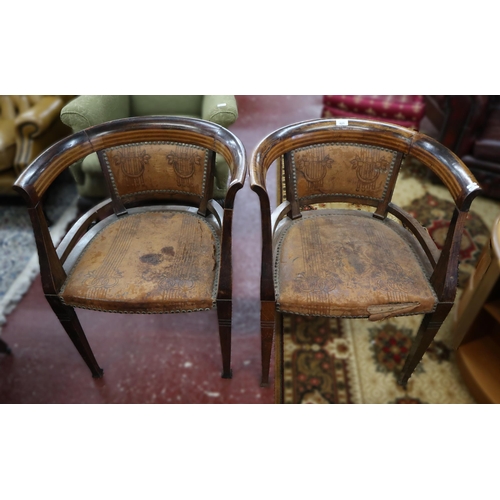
x=149, y=262
x=362, y=279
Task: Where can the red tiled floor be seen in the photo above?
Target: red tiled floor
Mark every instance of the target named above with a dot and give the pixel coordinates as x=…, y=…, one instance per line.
x=157, y=358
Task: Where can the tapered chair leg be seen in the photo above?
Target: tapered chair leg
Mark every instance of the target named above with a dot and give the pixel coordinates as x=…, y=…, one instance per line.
x=70, y=322
x=224, y=314
x=278, y=359
x=267, y=324
x=428, y=329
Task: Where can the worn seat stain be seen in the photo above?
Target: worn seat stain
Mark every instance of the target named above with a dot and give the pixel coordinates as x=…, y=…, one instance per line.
x=347, y=265
x=151, y=262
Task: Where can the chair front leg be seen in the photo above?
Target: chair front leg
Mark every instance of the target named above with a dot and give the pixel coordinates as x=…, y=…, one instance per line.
x=224, y=314
x=278, y=359
x=267, y=324
x=429, y=327
x=70, y=322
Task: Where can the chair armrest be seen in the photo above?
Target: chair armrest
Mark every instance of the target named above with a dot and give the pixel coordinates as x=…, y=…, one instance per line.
x=36, y=120
x=88, y=110
x=452, y=172
x=220, y=109
x=81, y=226
x=258, y=185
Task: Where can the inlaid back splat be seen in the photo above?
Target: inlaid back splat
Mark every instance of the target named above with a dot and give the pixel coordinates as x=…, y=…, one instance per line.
x=155, y=169
x=343, y=172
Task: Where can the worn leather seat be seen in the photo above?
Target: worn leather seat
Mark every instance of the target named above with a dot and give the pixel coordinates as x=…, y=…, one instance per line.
x=150, y=262
x=363, y=278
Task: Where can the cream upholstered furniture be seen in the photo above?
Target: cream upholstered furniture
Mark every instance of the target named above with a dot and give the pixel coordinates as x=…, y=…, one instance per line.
x=89, y=110
x=160, y=244
x=28, y=125
x=365, y=257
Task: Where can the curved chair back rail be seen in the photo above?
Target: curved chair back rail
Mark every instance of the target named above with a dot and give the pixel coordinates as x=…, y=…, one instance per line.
x=46, y=168
x=445, y=164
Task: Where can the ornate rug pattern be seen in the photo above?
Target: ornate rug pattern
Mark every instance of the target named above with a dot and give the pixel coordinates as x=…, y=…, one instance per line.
x=332, y=361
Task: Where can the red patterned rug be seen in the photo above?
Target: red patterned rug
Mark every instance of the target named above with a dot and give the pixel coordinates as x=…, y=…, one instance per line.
x=434, y=213
x=332, y=361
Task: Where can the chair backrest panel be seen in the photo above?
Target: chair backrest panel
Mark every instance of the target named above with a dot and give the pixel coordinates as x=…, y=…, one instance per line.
x=330, y=170
x=155, y=169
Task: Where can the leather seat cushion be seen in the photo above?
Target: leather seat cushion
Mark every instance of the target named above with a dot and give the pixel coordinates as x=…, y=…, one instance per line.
x=349, y=266
x=149, y=262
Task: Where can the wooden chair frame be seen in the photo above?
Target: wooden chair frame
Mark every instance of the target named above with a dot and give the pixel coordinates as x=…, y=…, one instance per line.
x=446, y=165
x=38, y=177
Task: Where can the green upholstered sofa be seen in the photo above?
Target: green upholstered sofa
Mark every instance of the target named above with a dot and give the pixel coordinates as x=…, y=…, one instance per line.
x=89, y=110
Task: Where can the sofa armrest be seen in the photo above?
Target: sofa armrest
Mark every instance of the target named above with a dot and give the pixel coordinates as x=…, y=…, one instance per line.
x=36, y=120
x=220, y=109
x=88, y=110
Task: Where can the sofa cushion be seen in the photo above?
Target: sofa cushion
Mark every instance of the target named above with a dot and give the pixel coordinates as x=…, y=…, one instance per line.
x=404, y=110
x=185, y=105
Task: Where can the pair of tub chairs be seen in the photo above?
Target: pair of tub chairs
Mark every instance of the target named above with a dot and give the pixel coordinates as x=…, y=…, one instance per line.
x=160, y=244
